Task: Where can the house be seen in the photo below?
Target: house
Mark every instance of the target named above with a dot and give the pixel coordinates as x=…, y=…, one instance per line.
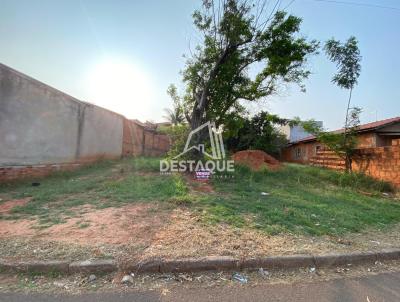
x=371, y=135
x=295, y=133
x=377, y=153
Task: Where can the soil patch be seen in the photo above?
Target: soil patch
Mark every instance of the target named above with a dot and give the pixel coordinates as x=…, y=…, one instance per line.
x=6, y=207
x=198, y=186
x=13, y=228
x=141, y=232
x=136, y=222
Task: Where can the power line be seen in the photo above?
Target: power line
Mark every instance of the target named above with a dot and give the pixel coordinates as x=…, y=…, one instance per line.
x=360, y=4
x=287, y=6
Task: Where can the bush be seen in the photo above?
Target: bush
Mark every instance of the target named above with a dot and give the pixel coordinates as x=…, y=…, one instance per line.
x=178, y=135
x=260, y=133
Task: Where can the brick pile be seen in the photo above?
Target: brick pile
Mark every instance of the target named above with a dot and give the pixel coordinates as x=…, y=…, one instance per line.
x=328, y=159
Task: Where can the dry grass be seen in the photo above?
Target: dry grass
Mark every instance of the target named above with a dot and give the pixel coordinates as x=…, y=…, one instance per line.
x=179, y=234
x=186, y=236
x=127, y=211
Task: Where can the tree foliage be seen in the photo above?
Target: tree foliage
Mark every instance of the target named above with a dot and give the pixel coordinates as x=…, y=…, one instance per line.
x=342, y=142
x=245, y=54
x=259, y=132
x=177, y=135
x=175, y=115
x=347, y=58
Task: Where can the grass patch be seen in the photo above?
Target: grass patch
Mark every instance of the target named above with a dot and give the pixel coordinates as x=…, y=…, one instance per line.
x=301, y=200
x=142, y=188
x=146, y=164
x=83, y=225
x=101, y=185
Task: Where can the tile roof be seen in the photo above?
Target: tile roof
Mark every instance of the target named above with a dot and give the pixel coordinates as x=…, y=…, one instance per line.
x=361, y=128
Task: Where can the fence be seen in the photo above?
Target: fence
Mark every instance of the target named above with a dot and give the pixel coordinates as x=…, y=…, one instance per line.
x=43, y=130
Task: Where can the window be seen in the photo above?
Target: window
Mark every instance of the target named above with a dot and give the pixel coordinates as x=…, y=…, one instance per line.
x=298, y=153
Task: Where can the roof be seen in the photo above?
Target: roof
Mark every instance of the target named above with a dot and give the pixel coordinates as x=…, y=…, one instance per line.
x=146, y=125
x=362, y=128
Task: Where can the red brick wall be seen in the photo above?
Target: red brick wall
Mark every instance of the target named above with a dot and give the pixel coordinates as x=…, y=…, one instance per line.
x=138, y=140
x=161, y=144
x=10, y=173
x=381, y=163
x=127, y=144
x=366, y=140
x=307, y=151
x=378, y=162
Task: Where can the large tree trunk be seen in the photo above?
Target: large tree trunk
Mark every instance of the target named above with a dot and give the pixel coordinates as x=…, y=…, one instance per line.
x=197, y=118
x=201, y=105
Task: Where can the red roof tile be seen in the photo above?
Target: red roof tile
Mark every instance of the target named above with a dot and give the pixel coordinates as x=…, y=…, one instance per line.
x=361, y=128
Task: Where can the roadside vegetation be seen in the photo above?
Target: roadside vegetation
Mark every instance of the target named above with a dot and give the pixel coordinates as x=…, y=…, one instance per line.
x=295, y=199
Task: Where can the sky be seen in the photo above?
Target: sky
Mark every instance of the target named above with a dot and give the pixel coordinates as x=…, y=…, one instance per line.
x=123, y=54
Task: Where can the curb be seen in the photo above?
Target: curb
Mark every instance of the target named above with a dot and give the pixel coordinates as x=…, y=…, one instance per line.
x=212, y=263
x=63, y=267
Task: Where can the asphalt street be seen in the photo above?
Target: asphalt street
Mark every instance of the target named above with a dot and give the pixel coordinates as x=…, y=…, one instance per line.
x=383, y=287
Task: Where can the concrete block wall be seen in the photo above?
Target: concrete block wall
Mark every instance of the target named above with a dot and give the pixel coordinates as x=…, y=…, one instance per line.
x=41, y=125
x=101, y=134
x=43, y=129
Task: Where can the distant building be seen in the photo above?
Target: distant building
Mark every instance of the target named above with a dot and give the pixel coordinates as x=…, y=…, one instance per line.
x=296, y=133
x=371, y=135
x=377, y=153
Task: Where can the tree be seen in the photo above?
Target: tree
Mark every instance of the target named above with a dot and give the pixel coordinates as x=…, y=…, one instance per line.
x=347, y=58
x=245, y=54
x=259, y=132
x=175, y=115
x=343, y=143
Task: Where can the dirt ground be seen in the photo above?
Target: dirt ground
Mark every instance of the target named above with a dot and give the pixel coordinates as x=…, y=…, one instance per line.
x=105, y=226
x=143, y=231
x=7, y=206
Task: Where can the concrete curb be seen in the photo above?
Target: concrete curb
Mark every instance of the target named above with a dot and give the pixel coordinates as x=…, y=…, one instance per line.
x=213, y=263
x=63, y=267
